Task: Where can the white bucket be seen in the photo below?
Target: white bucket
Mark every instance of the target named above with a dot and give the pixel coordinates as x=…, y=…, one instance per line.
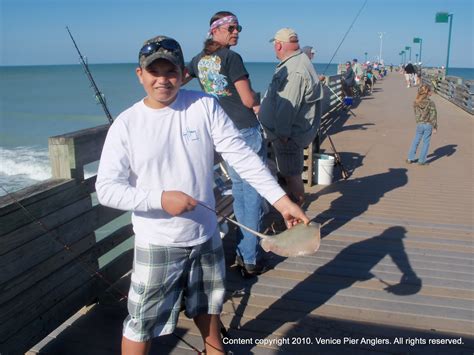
x=323, y=169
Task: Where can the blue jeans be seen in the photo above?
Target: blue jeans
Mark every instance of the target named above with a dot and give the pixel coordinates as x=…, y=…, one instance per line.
x=423, y=130
x=247, y=202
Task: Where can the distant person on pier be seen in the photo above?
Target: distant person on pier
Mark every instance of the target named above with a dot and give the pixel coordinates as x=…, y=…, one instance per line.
x=409, y=74
x=222, y=73
x=357, y=68
x=157, y=161
x=291, y=110
x=309, y=51
x=426, y=123
x=370, y=81
x=348, y=80
x=418, y=74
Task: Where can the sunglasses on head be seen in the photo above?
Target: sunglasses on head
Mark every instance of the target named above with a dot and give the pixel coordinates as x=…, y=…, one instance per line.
x=232, y=28
x=150, y=48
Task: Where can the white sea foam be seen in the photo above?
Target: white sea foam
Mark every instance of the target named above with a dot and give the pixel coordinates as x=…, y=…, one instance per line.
x=24, y=166
x=26, y=162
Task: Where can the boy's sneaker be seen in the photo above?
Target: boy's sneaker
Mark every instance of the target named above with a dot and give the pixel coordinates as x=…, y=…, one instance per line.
x=408, y=161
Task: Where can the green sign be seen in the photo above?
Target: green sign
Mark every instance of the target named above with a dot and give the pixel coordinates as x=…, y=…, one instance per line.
x=442, y=17
x=416, y=40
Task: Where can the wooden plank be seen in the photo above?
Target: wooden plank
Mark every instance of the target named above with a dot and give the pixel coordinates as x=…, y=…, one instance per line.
x=46, y=245
x=32, y=303
x=389, y=276
x=464, y=259
x=114, y=239
x=85, y=263
x=46, y=225
x=426, y=304
x=369, y=258
x=387, y=312
x=372, y=284
x=32, y=276
x=32, y=194
x=37, y=210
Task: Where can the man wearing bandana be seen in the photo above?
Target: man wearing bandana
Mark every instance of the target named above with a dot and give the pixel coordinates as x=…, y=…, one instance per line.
x=221, y=73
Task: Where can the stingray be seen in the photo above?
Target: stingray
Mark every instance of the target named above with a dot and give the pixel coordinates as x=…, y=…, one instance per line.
x=298, y=240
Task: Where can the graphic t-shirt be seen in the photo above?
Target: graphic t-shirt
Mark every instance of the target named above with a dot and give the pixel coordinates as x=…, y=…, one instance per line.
x=217, y=73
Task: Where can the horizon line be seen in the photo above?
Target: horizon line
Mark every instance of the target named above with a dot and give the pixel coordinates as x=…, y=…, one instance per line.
x=129, y=63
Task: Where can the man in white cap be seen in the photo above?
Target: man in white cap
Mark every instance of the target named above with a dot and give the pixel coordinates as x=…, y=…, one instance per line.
x=291, y=112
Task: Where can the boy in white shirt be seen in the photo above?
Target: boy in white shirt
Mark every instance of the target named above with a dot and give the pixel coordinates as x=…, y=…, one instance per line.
x=157, y=161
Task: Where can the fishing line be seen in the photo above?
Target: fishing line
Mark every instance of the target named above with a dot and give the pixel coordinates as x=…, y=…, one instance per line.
x=347, y=32
x=91, y=272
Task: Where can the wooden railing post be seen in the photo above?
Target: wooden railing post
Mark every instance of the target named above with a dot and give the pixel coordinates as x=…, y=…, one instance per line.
x=69, y=153
x=62, y=159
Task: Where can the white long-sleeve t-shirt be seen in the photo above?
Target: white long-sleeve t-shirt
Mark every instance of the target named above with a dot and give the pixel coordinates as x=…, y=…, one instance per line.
x=148, y=151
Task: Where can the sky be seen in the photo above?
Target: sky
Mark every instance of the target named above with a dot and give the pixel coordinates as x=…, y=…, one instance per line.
x=32, y=32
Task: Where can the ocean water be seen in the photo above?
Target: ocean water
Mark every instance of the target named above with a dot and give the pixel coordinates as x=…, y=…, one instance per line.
x=465, y=73
x=37, y=102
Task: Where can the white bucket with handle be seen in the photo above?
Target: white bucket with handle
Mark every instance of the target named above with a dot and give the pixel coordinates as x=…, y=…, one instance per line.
x=323, y=169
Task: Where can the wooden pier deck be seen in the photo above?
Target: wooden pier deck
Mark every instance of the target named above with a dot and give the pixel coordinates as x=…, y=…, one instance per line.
x=395, y=270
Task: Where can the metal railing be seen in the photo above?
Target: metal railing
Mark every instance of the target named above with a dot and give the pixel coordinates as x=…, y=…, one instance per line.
x=454, y=89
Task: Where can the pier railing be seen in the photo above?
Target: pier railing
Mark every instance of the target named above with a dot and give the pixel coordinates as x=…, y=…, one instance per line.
x=54, y=236
x=50, y=252
x=454, y=89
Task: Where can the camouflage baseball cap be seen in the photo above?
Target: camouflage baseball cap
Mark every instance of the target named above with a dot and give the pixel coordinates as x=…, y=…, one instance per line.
x=161, y=47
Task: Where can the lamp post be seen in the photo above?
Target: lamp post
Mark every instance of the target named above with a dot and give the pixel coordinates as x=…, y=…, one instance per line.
x=403, y=57
x=365, y=53
x=381, y=43
x=408, y=48
x=420, y=41
x=444, y=17
x=416, y=56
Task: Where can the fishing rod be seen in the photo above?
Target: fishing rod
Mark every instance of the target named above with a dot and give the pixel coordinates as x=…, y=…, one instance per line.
x=98, y=95
x=345, y=174
x=340, y=100
x=347, y=32
x=339, y=46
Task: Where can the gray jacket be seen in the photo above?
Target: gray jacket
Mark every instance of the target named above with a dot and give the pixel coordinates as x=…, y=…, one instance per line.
x=289, y=108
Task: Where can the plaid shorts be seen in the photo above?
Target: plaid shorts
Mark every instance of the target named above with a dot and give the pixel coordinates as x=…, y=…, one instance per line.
x=163, y=277
x=289, y=157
